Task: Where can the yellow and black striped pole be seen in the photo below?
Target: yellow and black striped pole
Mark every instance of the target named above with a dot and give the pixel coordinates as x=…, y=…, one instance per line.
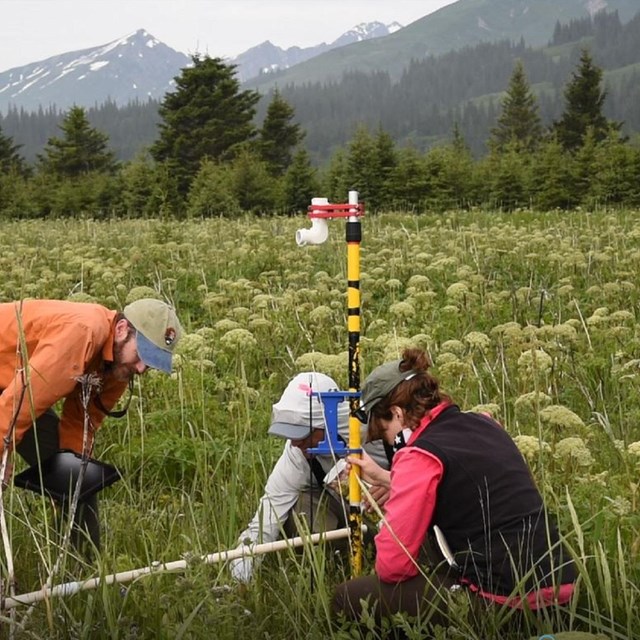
x=354, y=238
x=319, y=212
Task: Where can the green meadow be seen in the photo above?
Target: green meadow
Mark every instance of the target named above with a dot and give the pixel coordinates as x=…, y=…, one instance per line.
x=532, y=317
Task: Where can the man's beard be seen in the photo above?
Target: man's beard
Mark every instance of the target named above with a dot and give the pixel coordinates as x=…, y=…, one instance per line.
x=118, y=370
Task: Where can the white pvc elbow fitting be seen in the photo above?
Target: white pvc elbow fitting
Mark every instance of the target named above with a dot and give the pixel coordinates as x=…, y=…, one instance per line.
x=319, y=231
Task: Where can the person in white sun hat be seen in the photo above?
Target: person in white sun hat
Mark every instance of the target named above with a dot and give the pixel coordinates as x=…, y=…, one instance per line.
x=298, y=481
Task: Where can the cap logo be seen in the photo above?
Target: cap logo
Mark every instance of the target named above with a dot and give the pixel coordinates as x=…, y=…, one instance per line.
x=169, y=336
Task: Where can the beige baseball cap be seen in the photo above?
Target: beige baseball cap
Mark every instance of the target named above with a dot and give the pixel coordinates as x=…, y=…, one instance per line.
x=158, y=331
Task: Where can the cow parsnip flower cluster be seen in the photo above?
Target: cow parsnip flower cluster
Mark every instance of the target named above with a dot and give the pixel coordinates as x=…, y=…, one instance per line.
x=478, y=341
x=393, y=284
x=422, y=340
x=458, y=292
x=238, y=340
x=391, y=345
x=377, y=325
x=402, y=310
x=240, y=313
x=259, y=325
x=322, y=314
x=451, y=368
x=225, y=325
x=634, y=452
x=535, y=362
x=620, y=506
x=599, y=319
x=509, y=333
x=418, y=282
x=455, y=347
x=489, y=408
x=81, y=296
x=191, y=344
x=531, y=447
x=138, y=293
x=531, y=402
x=573, y=450
x=600, y=480
x=333, y=365
x=562, y=419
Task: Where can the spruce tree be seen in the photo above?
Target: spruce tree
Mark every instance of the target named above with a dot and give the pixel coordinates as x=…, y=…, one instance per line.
x=253, y=187
x=458, y=142
x=335, y=182
x=300, y=183
x=82, y=149
x=409, y=183
x=10, y=159
x=206, y=117
x=386, y=159
x=370, y=162
x=507, y=175
x=362, y=164
x=212, y=191
x=615, y=172
x=553, y=179
x=519, y=123
x=279, y=136
x=583, y=109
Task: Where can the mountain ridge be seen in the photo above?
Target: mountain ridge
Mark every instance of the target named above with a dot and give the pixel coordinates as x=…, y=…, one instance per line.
x=266, y=57
x=137, y=67
x=464, y=23
x=116, y=71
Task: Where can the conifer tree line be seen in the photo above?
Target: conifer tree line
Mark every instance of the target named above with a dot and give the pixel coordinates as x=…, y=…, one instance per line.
x=419, y=107
x=210, y=158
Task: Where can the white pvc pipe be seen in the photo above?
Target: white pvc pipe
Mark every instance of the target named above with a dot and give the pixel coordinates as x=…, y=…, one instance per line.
x=353, y=197
x=70, y=588
x=319, y=231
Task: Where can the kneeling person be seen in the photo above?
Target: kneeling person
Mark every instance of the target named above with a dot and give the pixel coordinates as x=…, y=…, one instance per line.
x=297, y=482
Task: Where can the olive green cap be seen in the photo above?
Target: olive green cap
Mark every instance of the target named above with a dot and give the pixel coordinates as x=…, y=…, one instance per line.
x=380, y=382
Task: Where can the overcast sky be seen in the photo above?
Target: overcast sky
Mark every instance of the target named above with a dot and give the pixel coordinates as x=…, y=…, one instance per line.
x=32, y=30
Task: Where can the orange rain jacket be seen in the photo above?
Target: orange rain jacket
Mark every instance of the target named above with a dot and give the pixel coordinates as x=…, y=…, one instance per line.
x=63, y=340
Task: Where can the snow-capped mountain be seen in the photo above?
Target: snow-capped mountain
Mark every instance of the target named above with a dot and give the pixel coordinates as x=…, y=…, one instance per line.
x=365, y=31
x=137, y=66
x=267, y=57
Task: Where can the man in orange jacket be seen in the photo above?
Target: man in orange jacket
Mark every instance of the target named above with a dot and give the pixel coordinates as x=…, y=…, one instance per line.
x=47, y=345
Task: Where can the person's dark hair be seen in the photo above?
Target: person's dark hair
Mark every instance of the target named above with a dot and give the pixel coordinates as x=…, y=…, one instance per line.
x=415, y=396
x=130, y=328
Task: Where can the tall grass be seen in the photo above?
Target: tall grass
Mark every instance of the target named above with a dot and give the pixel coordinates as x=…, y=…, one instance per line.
x=532, y=317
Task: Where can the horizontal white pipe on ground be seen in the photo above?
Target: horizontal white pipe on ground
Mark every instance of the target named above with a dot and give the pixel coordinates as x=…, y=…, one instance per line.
x=70, y=588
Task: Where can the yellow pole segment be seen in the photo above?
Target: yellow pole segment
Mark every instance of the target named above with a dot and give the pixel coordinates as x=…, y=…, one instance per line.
x=354, y=237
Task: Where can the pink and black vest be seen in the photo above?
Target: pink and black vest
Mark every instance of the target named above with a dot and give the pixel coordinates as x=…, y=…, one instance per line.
x=489, y=508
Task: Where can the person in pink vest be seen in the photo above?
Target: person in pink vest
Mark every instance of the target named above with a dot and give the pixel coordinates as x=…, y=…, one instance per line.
x=463, y=511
